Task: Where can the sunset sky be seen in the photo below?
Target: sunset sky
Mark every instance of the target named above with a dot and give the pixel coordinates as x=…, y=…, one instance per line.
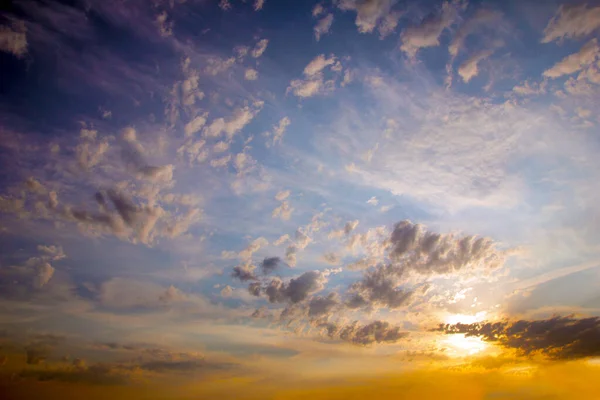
x=277, y=199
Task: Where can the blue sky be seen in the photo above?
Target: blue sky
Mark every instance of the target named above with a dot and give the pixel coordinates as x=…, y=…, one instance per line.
x=446, y=151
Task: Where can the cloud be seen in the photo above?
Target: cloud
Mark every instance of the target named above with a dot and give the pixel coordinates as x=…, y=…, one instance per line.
x=233, y=124
x=251, y=74
x=345, y=231
x=258, y=5
x=320, y=306
x=323, y=26
x=23, y=280
x=278, y=131
x=374, y=332
x=370, y=14
x=260, y=48
x=317, y=10
x=270, y=264
x=482, y=18
x=318, y=64
x=332, y=258
x=572, y=22
x=575, y=62
x=427, y=33
x=283, y=211
x=373, y=201
x=14, y=39
x=556, y=338
x=313, y=83
x=195, y=125
x=469, y=69
x=244, y=272
x=296, y=289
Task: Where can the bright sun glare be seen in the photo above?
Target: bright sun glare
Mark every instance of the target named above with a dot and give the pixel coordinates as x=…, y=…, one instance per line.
x=458, y=344
x=461, y=346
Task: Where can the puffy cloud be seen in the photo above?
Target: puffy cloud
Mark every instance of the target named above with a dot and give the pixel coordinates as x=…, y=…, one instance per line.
x=195, y=124
x=251, y=74
x=369, y=14
x=281, y=240
x=313, y=83
x=321, y=306
x=89, y=152
x=571, y=22
x=428, y=252
x=253, y=247
x=469, y=69
x=14, y=39
x=556, y=338
x=323, y=26
x=220, y=147
x=318, y=64
x=428, y=32
x=244, y=272
x=233, y=124
x=260, y=48
x=575, y=62
x=270, y=264
x=296, y=289
x=374, y=332
x=373, y=201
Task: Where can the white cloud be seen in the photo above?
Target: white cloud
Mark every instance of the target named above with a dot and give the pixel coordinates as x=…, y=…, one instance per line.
x=469, y=69
x=251, y=74
x=318, y=64
x=220, y=162
x=373, y=201
x=428, y=32
x=260, y=48
x=281, y=196
x=195, y=124
x=165, y=27
x=369, y=14
x=572, y=22
x=233, y=124
x=575, y=62
x=323, y=26
x=313, y=83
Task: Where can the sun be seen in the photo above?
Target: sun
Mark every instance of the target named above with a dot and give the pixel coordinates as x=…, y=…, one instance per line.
x=461, y=346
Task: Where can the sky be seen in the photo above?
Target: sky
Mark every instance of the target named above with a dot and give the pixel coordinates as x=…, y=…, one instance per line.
x=269, y=199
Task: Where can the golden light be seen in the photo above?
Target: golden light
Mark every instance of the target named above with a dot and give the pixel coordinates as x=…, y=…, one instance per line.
x=461, y=346
x=465, y=318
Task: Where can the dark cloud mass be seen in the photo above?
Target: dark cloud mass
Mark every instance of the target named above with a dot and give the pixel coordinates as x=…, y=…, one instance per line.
x=556, y=338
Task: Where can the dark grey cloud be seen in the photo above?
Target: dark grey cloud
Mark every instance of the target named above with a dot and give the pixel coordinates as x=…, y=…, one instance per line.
x=270, y=264
x=244, y=273
x=374, y=332
x=320, y=306
x=297, y=289
x=556, y=338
